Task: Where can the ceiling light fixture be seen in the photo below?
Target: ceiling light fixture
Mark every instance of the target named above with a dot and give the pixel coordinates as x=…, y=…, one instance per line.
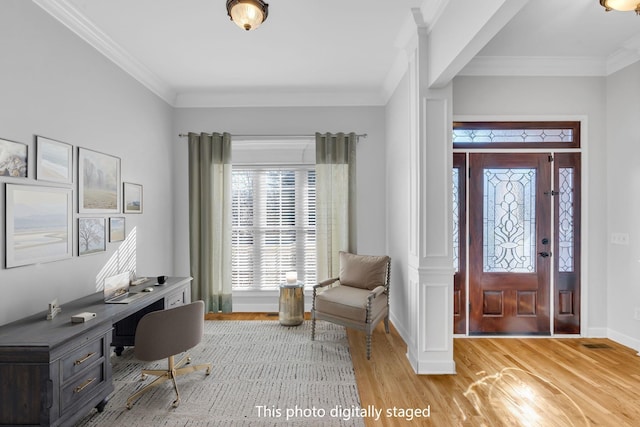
x=247, y=14
x=621, y=5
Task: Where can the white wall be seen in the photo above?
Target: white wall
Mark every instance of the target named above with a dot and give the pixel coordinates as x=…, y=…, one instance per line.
x=54, y=84
x=623, y=203
x=502, y=98
x=370, y=168
x=397, y=148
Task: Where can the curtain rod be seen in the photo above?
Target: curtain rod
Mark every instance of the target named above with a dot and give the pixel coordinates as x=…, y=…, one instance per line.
x=184, y=135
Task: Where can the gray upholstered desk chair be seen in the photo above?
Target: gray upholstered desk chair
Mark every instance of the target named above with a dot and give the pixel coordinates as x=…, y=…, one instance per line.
x=164, y=334
x=358, y=298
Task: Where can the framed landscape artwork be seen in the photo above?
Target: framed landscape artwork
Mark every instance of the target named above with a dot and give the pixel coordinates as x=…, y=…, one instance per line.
x=38, y=224
x=132, y=198
x=98, y=182
x=54, y=160
x=116, y=229
x=91, y=236
x=13, y=159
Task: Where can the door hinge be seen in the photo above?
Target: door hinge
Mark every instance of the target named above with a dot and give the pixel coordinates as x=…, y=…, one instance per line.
x=551, y=193
x=550, y=158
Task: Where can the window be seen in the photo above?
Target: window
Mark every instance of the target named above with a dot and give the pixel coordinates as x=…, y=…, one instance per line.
x=516, y=135
x=274, y=227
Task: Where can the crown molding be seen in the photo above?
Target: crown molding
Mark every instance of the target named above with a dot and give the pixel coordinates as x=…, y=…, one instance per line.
x=406, y=41
x=247, y=97
x=628, y=54
x=394, y=76
x=554, y=66
x=534, y=66
x=505, y=66
x=73, y=19
x=621, y=59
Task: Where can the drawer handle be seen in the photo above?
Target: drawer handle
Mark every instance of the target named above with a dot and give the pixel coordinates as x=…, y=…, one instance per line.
x=84, y=359
x=83, y=385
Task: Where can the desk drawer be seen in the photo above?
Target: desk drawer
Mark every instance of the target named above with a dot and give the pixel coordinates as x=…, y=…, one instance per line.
x=81, y=388
x=83, y=357
x=175, y=300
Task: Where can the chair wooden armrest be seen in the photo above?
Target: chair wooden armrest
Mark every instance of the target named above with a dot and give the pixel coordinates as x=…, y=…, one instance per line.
x=325, y=283
x=376, y=292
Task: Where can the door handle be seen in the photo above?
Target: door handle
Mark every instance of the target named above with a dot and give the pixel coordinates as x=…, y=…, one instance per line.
x=544, y=254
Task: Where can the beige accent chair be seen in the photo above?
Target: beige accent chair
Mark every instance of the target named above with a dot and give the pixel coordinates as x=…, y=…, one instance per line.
x=358, y=298
x=164, y=334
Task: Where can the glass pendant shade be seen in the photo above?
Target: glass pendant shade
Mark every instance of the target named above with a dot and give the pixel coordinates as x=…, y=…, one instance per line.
x=621, y=5
x=247, y=14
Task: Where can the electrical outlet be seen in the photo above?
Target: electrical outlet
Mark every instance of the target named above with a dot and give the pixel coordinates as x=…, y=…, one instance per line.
x=620, y=238
x=636, y=313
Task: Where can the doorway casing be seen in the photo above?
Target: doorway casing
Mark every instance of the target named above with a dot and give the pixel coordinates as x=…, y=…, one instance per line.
x=560, y=152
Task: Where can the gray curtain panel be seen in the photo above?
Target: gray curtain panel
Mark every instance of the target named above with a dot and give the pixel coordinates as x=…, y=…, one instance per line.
x=335, y=200
x=210, y=219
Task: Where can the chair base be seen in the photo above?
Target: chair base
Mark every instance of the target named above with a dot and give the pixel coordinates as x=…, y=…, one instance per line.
x=174, y=370
x=367, y=329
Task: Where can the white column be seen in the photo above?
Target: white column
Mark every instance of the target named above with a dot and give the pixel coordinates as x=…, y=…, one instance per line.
x=430, y=347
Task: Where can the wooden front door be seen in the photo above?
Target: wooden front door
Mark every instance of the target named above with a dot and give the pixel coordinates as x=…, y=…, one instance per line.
x=510, y=202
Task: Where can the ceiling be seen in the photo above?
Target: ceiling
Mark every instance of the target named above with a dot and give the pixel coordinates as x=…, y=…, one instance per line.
x=327, y=51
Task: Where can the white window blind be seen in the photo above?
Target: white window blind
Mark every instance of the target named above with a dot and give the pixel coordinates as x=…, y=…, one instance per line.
x=273, y=228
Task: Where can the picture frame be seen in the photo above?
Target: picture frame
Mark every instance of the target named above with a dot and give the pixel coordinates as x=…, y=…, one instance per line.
x=38, y=224
x=132, y=200
x=98, y=182
x=54, y=160
x=14, y=159
x=91, y=235
x=117, y=231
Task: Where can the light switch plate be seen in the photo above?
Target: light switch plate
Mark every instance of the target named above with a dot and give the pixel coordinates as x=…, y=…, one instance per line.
x=620, y=238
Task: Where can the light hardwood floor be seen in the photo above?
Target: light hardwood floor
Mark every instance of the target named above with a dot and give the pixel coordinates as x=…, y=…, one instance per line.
x=499, y=382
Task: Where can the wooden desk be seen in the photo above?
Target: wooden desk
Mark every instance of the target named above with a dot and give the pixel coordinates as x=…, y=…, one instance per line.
x=53, y=371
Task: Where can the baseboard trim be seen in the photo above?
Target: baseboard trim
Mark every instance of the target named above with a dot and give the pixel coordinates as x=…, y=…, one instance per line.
x=429, y=367
x=624, y=339
x=402, y=331
x=597, y=333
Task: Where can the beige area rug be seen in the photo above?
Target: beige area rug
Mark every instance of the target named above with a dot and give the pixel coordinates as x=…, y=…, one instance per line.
x=264, y=374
